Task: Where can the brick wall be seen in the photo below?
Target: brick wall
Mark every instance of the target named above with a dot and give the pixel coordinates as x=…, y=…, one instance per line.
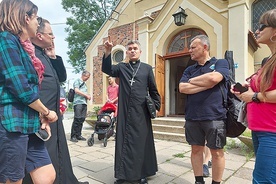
x=120, y=35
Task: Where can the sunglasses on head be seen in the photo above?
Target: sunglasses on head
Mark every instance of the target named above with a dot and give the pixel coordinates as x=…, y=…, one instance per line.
x=39, y=20
x=262, y=27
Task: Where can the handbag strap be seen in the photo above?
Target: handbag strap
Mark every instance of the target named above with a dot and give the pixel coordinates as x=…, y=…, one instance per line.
x=224, y=95
x=82, y=84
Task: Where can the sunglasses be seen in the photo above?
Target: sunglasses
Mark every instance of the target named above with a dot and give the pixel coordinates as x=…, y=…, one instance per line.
x=39, y=20
x=262, y=27
x=50, y=34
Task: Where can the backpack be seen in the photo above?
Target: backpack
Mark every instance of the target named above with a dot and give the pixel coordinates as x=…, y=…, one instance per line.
x=71, y=93
x=234, y=128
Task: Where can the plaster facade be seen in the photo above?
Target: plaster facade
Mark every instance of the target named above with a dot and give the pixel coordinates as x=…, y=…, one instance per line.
x=226, y=22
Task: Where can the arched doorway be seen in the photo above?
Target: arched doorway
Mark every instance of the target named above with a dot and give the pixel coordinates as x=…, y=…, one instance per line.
x=178, y=59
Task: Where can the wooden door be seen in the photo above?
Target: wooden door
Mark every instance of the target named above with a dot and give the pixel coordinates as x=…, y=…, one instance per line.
x=160, y=81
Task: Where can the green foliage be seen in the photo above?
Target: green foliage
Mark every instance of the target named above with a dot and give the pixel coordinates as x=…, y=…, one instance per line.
x=70, y=107
x=179, y=155
x=96, y=109
x=87, y=18
x=244, y=150
x=247, y=133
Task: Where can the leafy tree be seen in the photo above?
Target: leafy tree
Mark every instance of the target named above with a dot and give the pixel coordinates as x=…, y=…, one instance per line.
x=87, y=18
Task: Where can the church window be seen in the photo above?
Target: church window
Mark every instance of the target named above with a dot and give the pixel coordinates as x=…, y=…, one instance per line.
x=258, y=8
x=180, y=43
x=118, y=56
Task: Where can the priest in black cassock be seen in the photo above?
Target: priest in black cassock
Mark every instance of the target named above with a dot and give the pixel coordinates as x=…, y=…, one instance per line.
x=135, y=156
x=54, y=73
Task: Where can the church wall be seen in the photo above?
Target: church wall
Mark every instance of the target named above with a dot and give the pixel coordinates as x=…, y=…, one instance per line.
x=122, y=28
x=163, y=29
x=225, y=22
x=120, y=36
x=214, y=24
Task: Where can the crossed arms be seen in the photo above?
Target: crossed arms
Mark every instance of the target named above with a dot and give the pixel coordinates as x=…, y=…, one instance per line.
x=200, y=83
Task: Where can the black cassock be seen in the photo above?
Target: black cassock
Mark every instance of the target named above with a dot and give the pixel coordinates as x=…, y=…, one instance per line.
x=135, y=156
x=57, y=147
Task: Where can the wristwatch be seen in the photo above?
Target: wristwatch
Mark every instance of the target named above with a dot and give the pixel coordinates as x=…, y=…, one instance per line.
x=255, y=98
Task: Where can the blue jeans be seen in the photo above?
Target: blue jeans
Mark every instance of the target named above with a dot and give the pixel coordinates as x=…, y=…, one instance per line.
x=265, y=151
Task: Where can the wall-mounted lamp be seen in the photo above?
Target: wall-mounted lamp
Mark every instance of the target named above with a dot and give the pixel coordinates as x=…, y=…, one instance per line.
x=180, y=17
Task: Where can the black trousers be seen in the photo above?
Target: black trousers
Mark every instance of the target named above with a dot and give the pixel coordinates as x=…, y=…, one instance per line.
x=80, y=111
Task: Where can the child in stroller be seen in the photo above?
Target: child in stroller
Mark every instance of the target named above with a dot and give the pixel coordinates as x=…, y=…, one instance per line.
x=105, y=123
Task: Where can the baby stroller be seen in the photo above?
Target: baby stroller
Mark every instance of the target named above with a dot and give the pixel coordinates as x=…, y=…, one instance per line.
x=104, y=125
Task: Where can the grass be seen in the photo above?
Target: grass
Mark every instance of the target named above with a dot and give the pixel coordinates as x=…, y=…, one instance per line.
x=244, y=150
x=179, y=155
x=247, y=133
x=231, y=144
x=93, y=117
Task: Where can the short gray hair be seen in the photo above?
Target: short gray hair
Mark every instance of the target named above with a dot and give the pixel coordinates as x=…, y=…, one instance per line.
x=203, y=39
x=133, y=42
x=85, y=72
x=41, y=26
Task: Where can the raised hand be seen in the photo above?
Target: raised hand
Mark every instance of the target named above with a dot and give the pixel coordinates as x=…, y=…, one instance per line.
x=108, y=46
x=50, y=51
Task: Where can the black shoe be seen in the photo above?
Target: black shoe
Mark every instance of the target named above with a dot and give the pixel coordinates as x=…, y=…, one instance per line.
x=197, y=182
x=74, y=139
x=206, y=172
x=119, y=181
x=143, y=181
x=85, y=182
x=81, y=138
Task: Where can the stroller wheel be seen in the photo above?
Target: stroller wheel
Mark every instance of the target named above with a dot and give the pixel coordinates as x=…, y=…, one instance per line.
x=105, y=142
x=90, y=141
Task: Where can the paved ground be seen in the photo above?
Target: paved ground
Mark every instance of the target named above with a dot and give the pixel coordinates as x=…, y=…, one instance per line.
x=95, y=163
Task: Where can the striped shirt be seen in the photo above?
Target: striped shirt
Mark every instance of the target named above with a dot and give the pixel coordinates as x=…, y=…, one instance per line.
x=18, y=87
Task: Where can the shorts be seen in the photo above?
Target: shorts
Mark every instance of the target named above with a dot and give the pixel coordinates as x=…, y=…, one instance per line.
x=19, y=153
x=200, y=132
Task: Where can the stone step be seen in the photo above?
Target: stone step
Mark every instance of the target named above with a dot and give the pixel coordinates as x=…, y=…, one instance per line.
x=169, y=136
x=168, y=128
x=169, y=121
x=164, y=128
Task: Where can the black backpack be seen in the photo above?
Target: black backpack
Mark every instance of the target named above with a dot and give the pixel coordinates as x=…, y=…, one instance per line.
x=231, y=102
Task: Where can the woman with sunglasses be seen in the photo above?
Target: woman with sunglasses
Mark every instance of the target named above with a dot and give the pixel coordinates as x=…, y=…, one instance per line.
x=261, y=104
x=21, y=112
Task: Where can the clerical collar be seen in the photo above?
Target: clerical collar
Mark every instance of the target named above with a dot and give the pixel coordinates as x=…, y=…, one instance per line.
x=39, y=48
x=134, y=62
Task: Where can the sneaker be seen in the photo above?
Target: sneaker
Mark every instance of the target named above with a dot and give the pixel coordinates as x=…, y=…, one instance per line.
x=198, y=182
x=81, y=138
x=143, y=181
x=84, y=182
x=74, y=139
x=206, y=172
x=119, y=181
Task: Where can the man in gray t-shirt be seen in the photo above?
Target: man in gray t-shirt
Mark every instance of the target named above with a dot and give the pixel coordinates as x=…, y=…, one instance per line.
x=80, y=106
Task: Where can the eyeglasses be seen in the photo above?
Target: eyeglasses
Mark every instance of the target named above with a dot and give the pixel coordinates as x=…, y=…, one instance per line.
x=50, y=34
x=262, y=27
x=39, y=20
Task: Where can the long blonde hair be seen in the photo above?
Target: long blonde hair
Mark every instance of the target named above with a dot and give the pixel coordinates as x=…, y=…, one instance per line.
x=12, y=15
x=268, y=70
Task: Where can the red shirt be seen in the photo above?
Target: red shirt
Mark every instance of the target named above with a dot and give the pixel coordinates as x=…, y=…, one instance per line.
x=113, y=92
x=262, y=116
